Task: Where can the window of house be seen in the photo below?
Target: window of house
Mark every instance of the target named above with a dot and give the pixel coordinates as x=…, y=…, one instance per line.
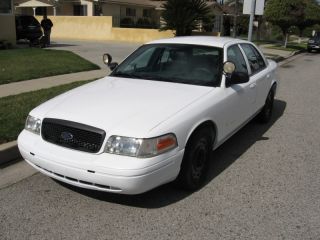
x=97, y=9
x=5, y=7
x=146, y=13
x=130, y=12
x=80, y=10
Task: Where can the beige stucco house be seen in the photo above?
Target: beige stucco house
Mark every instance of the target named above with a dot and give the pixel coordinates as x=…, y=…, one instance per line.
x=7, y=22
x=124, y=12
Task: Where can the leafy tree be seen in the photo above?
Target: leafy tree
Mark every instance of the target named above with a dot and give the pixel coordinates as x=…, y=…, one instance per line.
x=183, y=16
x=310, y=16
x=284, y=13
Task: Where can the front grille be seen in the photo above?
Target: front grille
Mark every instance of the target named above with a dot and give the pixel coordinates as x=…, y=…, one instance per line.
x=72, y=135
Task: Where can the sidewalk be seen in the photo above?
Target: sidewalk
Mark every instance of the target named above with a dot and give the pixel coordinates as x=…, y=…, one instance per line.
x=275, y=54
x=47, y=82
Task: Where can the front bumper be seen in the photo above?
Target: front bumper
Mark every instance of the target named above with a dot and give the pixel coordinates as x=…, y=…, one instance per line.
x=103, y=172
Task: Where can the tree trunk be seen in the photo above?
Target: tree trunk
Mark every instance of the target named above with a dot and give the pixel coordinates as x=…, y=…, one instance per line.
x=300, y=35
x=286, y=40
x=285, y=36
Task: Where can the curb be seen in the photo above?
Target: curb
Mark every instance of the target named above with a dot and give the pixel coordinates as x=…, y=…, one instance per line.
x=292, y=57
x=9, y=152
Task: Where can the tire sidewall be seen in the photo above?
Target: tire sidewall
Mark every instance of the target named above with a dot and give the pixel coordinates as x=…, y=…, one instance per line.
x=202, y=138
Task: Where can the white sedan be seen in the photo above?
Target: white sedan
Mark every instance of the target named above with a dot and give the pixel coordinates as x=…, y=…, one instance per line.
x=155, y=119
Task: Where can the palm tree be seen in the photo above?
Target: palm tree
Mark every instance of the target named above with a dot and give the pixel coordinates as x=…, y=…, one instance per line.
x=183, y=15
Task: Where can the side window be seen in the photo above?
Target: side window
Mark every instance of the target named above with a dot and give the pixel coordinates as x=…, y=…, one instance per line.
x=234, y=55
x=254, y=57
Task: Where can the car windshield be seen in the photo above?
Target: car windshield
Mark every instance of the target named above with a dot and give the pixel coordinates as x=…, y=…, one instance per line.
x=188, y=64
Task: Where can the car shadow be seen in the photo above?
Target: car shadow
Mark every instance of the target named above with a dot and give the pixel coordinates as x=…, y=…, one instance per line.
x=223, y=157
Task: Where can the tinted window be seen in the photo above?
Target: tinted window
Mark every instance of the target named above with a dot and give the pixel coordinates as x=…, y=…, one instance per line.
x=188, y=64
x=254, y=57
x=234, y=55
x=80, y=10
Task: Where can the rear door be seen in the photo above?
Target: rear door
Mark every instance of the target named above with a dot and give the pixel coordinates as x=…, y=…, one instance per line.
x=260, y=76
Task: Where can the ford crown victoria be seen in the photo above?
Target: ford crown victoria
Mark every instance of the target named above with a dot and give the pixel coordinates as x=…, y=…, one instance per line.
x=155, y=119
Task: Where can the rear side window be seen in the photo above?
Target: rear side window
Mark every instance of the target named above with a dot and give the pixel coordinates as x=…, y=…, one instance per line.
x=234, y=55
x=254, y=57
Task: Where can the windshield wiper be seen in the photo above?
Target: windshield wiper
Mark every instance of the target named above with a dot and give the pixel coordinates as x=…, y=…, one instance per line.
x=126, y=75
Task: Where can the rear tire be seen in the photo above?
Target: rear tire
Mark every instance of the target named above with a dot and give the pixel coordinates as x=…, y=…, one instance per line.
x=266, y=112
x=195, y=160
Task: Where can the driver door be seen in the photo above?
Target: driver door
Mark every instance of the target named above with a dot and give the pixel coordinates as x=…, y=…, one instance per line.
x=239, y=98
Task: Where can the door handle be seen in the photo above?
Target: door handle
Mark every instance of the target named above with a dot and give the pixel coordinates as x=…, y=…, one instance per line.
x=253, y=85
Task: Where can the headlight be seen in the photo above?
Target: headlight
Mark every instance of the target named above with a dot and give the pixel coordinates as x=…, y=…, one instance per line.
x=311, y=41
x=33, y=124
x=138, y=147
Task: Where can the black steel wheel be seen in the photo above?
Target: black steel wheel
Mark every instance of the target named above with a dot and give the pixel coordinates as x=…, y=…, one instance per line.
x=195, y=161
x=266, y=112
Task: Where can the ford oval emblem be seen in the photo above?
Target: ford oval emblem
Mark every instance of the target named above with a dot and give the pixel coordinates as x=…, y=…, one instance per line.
x=66, y=136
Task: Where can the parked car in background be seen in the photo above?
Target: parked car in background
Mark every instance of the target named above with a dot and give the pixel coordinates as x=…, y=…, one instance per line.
x=155, y=119
x=314, y=42
x=28, y=27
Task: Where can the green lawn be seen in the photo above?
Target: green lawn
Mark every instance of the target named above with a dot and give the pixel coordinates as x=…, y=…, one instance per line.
x=15, y=109
x=30, y=63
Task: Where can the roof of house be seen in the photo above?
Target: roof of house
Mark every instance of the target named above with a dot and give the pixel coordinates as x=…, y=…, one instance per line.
x=145, y=3
x=34, y=3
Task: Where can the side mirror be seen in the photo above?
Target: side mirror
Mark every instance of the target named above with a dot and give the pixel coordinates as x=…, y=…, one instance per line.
x=232, y=76
x=237, y=78
x=107, y=60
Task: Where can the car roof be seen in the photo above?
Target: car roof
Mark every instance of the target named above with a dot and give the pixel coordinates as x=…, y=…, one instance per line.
x=200, y=40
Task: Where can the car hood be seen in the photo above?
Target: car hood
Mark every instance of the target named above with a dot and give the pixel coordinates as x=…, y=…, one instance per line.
x=122, y=105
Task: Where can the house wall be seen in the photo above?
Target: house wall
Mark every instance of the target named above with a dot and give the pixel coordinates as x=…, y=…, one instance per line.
x=89, y=7
x=119, y=12
x=66, y=9
x=139, y=34
x=81, y=27
x=100, y=28
x=8, y=28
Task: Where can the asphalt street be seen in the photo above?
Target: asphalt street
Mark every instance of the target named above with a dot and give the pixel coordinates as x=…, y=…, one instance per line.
x=93, y=51
x=264, y=183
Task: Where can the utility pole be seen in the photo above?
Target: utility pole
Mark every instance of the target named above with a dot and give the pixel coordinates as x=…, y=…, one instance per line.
x=252, y=12
x=235, y=18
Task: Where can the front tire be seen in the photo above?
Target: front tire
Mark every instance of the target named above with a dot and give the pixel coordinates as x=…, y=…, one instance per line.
x=195, y=160
x=266, y=112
